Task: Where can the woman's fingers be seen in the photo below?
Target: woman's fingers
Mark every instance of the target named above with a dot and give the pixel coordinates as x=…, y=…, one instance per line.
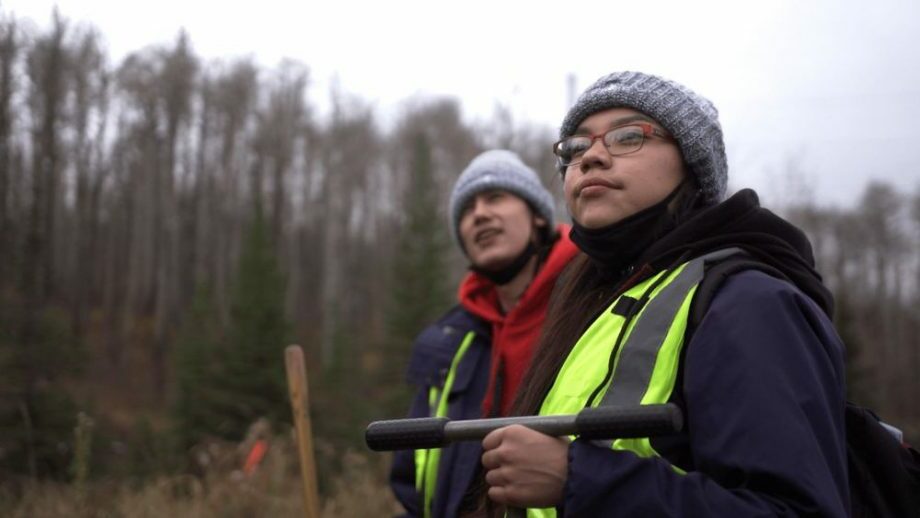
x=493, y=439
x=525, y=467
x=496, y=477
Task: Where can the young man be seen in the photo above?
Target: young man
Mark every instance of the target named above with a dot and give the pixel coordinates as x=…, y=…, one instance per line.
x=469, y=363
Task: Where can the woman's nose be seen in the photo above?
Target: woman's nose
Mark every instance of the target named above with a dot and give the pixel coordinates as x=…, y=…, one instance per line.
x=595, y=156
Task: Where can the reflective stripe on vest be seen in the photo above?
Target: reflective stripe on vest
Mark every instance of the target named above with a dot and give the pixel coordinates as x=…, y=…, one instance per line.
x=426, y=461
x=646, y=363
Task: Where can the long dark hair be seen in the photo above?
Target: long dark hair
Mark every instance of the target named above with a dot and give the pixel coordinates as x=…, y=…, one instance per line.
x=580, y=294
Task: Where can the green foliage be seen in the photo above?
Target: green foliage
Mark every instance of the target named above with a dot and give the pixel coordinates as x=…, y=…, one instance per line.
x=858, y=371
x=150, y=453
x=226, y=379
x=37, y=353
x=420, y=290
x=250, y=381
x=197, y=356
x=343, y=400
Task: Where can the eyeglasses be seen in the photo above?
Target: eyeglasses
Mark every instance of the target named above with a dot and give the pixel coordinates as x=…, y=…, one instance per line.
x=621, y=140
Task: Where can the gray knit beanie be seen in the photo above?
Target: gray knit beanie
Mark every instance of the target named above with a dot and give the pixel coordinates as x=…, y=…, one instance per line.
x=498, y=169
x=692, y=120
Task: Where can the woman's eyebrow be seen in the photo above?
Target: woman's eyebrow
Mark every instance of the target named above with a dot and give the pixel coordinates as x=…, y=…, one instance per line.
x=618, y=122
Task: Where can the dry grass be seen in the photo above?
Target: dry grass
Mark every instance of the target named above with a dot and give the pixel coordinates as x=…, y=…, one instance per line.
x=274, y=490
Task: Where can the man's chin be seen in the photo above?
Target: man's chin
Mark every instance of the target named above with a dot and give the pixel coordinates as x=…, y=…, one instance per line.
x=492, y=264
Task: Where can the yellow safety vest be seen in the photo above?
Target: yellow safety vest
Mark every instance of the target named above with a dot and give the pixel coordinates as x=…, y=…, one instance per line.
x=426, y=461
x=644, y=355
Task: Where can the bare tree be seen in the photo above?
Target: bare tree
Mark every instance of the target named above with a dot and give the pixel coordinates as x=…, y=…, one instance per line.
x=158, y=85
x=234, y=98
x=280, y=125
x=90, y=103
x=9, y=52
x=177, y=77
x=879, y=212
x=46, y=69
x=348, y=158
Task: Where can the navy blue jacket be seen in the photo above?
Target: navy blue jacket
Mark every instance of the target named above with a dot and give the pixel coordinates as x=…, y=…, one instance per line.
x=762, y=387
x=432, y=354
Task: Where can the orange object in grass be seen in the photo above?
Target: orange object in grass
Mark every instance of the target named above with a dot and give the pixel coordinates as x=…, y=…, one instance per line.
x=255, y=456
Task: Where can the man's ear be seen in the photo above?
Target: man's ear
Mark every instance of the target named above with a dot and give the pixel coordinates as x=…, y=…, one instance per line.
x=540, y=222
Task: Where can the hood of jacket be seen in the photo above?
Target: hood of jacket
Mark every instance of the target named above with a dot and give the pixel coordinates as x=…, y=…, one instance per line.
x=515, y=334
x=741, y=222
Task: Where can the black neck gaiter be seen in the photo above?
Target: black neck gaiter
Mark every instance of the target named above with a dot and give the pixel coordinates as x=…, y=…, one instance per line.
x=614, y=247
x=506, y=274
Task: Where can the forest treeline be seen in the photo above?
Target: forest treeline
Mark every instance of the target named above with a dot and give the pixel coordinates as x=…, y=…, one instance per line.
x=169, y=223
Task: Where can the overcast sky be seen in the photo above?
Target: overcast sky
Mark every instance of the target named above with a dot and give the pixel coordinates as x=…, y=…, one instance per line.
x=828, y=89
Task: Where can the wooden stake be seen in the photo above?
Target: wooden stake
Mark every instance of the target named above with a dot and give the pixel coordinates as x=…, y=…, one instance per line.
x=300, y=406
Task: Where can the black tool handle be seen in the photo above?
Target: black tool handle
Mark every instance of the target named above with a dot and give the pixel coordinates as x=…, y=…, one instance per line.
x=406, y=434
x=590, y=423
x=609, y=422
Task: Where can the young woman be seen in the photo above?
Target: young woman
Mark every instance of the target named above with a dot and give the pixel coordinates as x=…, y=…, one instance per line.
x=469, y=363
x=760, y=379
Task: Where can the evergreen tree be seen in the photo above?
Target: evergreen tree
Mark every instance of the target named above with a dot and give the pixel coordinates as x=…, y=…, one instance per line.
x=196, y=363
x=420, y=283
x=858, y=364
x=251, y=379
x=37, y=413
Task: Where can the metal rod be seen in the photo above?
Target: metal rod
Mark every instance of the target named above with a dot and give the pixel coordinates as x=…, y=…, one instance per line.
x=475, y=429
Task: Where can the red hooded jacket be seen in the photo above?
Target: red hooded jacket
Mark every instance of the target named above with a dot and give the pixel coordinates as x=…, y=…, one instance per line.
x=515, y=334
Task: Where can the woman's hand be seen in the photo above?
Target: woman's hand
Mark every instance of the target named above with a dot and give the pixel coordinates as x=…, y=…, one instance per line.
x=525, y=468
